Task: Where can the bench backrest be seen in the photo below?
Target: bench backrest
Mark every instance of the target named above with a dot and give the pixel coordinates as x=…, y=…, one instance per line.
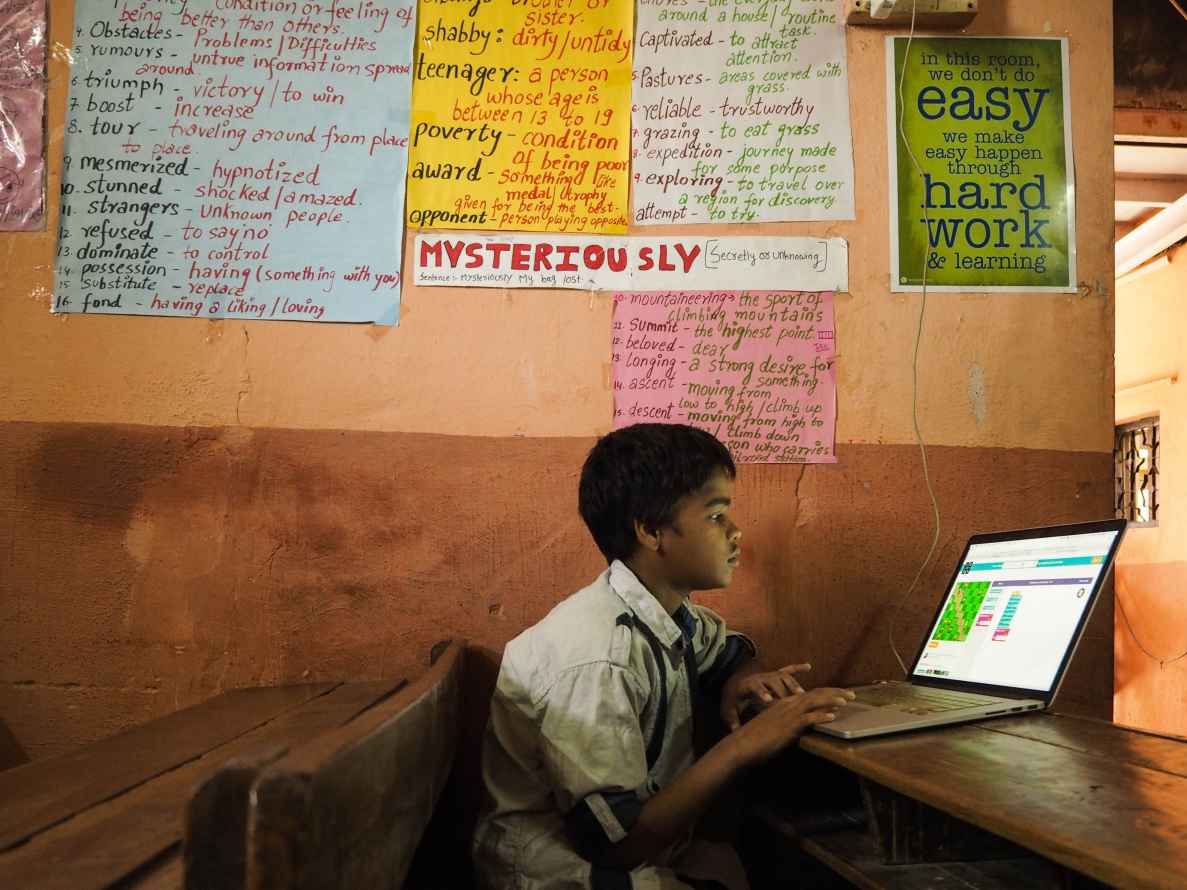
x=348, y=809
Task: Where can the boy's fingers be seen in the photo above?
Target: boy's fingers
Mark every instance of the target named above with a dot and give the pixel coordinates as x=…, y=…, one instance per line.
x=772, y=686
x=814, y=717
x=787, y=674
x=847, y=694
x=780, y=688
x=830, y=698
x=792, y=687
x=779, y=685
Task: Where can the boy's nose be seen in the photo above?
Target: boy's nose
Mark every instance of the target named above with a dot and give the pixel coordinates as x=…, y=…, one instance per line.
x=735, y=534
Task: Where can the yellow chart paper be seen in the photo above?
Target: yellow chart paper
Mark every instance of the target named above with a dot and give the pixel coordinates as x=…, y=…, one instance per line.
x=521, y=115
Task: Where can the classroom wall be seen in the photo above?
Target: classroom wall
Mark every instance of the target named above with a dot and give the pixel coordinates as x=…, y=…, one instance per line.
x=187, y=506
x=1151, y=572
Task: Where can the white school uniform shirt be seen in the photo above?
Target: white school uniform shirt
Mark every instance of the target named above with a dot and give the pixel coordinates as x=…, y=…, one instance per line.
x=592, y=715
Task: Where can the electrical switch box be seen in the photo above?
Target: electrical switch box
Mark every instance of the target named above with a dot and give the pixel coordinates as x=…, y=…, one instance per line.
x=931, y=14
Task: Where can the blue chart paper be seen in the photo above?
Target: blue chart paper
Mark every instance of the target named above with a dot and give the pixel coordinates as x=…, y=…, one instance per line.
x=236, y=164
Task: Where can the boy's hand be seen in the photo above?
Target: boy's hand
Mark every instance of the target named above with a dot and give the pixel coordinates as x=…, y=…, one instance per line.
x=761, y=688
x=784, y=721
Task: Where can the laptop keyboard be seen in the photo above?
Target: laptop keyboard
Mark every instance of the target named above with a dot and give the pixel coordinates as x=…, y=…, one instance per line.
x=920, y=699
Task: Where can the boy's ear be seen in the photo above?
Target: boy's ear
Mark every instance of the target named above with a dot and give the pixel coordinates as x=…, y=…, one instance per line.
x=647, y=538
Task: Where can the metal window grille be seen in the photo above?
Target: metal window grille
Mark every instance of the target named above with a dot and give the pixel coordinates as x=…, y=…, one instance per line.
x=1135, y=459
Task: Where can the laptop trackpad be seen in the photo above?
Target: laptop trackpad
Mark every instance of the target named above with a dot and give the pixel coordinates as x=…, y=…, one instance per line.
x=858, y=716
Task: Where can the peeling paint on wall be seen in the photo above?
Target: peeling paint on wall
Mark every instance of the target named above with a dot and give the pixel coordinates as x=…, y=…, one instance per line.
x=976, y=391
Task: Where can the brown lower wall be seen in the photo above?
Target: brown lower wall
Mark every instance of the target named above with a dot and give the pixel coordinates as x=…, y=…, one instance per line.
x=143, y=569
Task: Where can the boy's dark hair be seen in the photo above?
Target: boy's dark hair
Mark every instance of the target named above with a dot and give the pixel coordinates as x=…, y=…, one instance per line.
x=640, y=473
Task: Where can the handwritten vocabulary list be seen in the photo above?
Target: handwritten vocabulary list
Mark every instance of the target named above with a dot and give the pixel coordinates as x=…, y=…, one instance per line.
x=755, y=368
x=238, y=160
x=519, y=115
x=740, y=112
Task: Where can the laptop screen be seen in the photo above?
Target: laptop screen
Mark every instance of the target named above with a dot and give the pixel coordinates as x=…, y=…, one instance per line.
x=1014, y=609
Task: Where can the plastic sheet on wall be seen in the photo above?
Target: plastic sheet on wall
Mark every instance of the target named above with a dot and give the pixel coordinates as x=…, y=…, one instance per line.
x=22, y=115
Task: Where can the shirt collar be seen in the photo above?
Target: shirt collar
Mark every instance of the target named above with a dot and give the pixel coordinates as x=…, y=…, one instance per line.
x=643, y=604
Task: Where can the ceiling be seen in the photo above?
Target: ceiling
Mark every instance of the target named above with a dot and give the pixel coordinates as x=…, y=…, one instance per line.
x=1151, y=173
x=1150, y=95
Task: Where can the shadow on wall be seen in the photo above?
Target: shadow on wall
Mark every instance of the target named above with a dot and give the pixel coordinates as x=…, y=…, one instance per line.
x=152, y=567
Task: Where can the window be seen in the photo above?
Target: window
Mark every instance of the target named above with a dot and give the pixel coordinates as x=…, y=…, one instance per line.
x=1135, y=461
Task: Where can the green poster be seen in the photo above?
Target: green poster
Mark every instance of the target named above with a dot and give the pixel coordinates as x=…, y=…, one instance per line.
x=991, y=204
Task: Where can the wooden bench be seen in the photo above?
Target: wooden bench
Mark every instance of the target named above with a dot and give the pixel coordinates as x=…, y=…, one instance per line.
x=11, y=754
x=345, y=809
x=115, y=812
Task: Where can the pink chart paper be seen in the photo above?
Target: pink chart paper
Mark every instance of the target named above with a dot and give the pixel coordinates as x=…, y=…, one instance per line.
x=22, y=115
x=755, y=368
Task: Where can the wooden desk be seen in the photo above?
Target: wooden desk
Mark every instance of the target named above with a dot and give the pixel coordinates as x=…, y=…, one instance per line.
x=1095, y=801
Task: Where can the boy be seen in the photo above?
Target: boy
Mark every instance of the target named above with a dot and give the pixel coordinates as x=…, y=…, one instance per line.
x=588, y=760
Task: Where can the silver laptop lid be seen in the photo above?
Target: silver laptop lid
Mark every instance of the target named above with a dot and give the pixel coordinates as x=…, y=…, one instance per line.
x=1015, y=609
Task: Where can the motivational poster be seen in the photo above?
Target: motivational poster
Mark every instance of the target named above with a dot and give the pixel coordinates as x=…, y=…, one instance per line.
x=992, y=207
x=22, y=115
x=236, y=160
x=755, y=368
x=630, y=263
x=521, y=115
x=741, y=112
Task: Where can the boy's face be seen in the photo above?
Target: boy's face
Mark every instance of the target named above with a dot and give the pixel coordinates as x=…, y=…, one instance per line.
x=699, y=550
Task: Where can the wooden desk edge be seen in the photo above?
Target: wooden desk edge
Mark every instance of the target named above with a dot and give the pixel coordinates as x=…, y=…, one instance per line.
x=844, y=753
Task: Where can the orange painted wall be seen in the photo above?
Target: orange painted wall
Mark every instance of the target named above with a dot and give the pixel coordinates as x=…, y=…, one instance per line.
x=507, y=363
x=188, y=505
x=1151, y=569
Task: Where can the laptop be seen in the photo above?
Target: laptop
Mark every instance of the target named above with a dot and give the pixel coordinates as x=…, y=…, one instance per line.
x=1003, y=635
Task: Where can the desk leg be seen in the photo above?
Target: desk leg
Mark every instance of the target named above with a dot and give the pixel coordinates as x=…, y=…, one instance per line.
x=911, y=832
